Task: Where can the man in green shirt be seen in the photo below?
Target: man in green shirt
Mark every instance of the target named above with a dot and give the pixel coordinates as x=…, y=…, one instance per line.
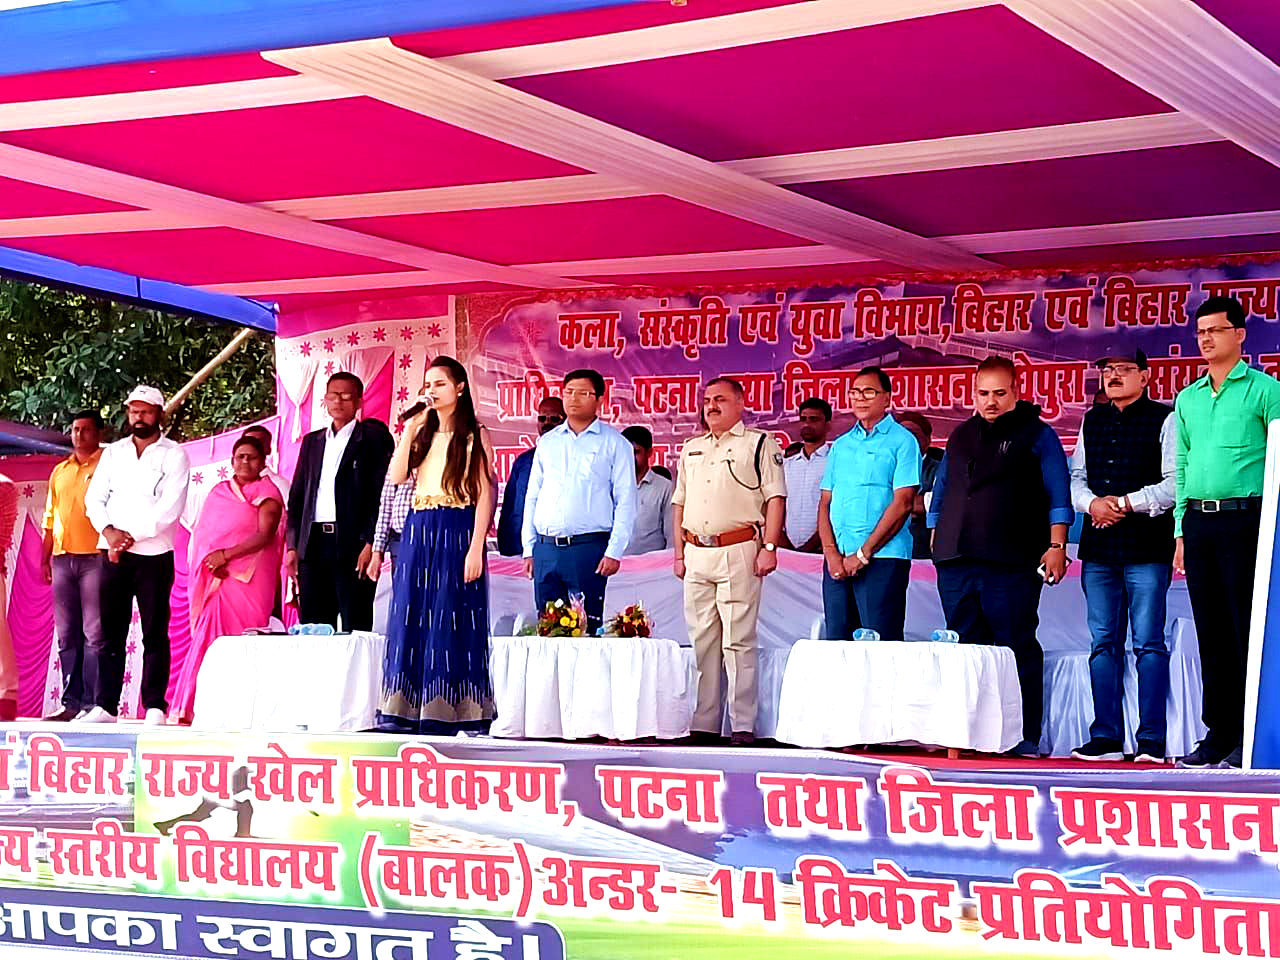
x=1222, y=422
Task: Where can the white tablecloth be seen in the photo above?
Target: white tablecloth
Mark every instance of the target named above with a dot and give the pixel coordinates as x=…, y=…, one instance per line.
x=283, y=683
x=791, y=609
x=575, y=687
x=838, y=693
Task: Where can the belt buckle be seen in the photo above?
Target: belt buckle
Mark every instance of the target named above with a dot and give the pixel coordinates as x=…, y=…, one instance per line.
x=328, y=528
x=1206, y=508
x=704, y=540
x=564, y=541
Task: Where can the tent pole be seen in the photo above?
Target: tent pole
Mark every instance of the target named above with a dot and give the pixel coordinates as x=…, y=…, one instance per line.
x=206, y=371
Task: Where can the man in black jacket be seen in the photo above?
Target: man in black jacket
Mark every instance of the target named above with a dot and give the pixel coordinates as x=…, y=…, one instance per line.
x=1001, y=507
x=1123, y=474
x=333, y=508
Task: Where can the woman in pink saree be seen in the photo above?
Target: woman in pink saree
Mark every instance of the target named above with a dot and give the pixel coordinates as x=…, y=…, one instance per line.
x=236, y=550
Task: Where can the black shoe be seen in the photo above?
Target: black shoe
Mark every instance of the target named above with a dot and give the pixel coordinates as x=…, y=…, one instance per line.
x=1099, y=748
x=1149, y=751
x=742, y=738
x=1234, y=759
x=1025, y=750
x=63, y=716
x=704, y=738
x=1205, y=754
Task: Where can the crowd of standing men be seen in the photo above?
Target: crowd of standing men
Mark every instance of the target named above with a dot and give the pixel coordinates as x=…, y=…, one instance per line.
x=1163, y=488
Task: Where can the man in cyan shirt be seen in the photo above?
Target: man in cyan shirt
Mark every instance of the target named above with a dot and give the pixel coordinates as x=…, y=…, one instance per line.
x=135, y=499
x=867, y=492
x=1222, y=421
x=73, y=566
x=580, y=506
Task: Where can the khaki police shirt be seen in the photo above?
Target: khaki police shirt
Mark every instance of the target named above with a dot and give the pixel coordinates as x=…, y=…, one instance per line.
x=716, y=483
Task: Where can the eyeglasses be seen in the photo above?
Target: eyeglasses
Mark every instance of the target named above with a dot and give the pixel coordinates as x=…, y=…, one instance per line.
x=1121, y=369
x=551, y=419
x=574, y=392
x=344, y=397
x=865, y=393
x=1212, y=331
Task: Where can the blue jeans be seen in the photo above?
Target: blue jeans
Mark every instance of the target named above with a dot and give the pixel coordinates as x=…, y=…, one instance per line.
x=876, y=599
x=77, y=593
x=1134, y=593
x=560, y=571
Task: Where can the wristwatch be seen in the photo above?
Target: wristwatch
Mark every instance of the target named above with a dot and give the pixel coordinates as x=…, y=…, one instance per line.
x=771, y=547
x=1057, y=546
x=862, y=556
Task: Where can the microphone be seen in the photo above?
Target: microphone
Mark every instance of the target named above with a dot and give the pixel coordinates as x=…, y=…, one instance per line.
x=416, y=409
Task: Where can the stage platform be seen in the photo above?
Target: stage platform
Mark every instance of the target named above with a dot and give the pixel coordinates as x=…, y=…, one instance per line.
x=130, y=837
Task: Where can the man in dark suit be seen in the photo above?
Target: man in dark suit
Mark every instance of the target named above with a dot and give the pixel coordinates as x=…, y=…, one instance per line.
x=333, y=508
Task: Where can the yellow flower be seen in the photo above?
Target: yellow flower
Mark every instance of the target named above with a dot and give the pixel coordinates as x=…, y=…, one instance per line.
x=564, y=621
x=577, y=632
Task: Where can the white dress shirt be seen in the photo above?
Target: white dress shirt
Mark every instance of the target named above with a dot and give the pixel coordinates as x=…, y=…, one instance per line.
x=141, y=495
x=335, y=445
x=652, y=530
x=1155, y=498
x=804, y=488
x=581, y=483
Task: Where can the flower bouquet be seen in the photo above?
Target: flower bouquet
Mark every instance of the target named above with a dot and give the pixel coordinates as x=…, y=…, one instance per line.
x=631, y=622
x=563, y=618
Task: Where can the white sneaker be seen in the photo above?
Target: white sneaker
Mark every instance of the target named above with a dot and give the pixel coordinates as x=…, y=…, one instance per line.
x=82, y=714
x=97, y=715
x=155, y=718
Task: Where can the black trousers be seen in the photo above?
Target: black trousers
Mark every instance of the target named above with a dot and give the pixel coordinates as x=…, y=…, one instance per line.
x=996, y=605
x=329, y=587
x=148, y=581
x=1219, y=550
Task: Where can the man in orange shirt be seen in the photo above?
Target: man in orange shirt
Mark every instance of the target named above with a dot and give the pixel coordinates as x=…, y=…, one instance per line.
x=74, y=566
x=8, y=662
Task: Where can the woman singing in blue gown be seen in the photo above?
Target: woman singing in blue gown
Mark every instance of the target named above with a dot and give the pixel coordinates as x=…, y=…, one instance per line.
x=436, y=673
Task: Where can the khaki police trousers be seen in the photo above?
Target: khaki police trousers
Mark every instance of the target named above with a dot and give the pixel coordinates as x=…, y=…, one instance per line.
x=721, y=604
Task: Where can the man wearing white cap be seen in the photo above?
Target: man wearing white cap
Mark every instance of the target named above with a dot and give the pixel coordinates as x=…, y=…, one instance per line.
x=135, y=499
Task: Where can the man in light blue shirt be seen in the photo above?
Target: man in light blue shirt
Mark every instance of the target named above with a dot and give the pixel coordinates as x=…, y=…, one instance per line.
x=868, y=490
x=581, y=502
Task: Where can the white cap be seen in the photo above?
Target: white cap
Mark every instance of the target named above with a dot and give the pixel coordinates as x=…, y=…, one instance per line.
x=144, y=394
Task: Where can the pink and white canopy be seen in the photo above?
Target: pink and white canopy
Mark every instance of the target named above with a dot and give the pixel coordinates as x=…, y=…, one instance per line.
x=652, y=144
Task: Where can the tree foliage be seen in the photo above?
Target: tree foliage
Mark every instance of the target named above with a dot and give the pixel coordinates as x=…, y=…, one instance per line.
x=63, y=351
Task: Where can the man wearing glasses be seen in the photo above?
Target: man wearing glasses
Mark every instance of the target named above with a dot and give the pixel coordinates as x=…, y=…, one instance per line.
x=1000, y=512
x=1222, y=422
x=1122, y=476
x=868, y=490
x=580, y=507
x=333, y=510
x=511, y=518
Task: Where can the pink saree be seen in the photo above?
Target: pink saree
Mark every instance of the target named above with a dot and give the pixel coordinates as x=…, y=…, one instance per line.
x=243, y=599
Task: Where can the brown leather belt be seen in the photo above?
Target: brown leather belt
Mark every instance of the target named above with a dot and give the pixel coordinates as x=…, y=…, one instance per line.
x=741, y=535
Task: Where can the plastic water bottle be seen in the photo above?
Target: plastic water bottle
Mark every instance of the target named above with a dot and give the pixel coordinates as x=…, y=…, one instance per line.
x=863, y=633
x=944, y=636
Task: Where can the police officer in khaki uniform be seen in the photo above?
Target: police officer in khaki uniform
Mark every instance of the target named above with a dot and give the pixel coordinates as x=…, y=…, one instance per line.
x=730, y=485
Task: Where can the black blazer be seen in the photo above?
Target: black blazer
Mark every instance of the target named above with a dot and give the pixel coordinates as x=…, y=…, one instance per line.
x=356, y=490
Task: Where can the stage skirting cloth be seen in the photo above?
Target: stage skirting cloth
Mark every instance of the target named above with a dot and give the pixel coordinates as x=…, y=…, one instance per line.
x=791, y=610
x=571, y=688
x=837, y=694
x=286, y=683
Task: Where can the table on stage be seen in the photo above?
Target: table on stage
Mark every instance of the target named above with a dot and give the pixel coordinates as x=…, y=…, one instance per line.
x=570, y=688
x=842, y=693
x=284, y=683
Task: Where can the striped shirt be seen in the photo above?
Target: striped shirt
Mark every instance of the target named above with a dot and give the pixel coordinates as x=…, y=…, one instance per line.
x=394, y=505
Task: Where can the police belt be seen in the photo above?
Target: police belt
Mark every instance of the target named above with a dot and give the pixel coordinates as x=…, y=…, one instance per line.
x=741, y=535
